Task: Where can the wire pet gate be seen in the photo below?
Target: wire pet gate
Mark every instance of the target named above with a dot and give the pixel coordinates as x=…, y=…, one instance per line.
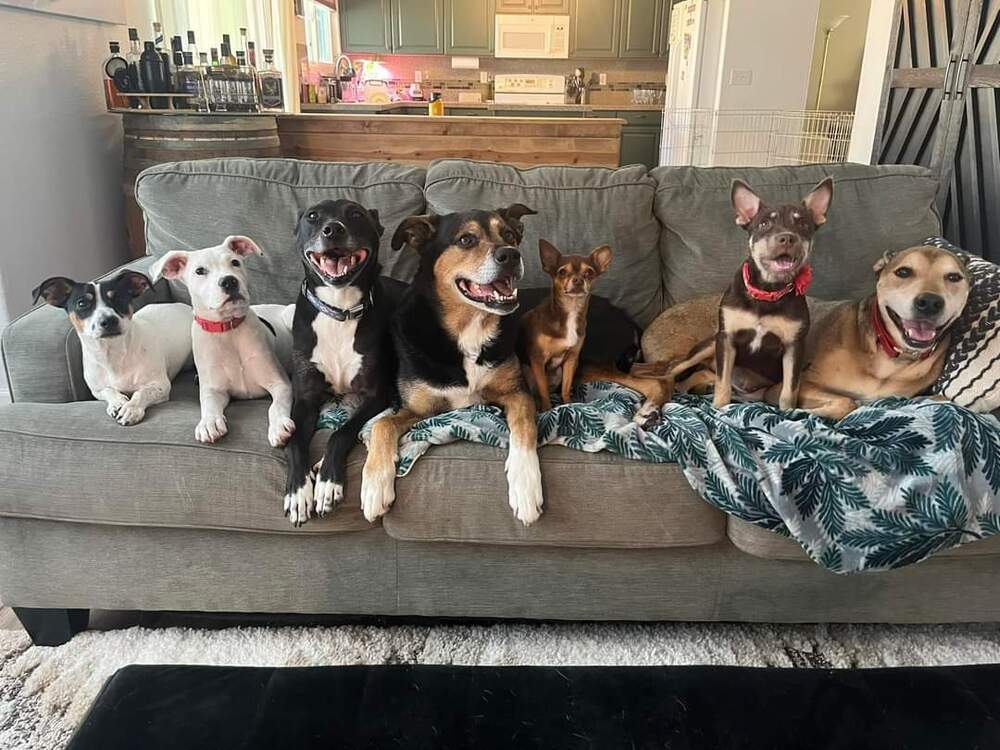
x=753, y=138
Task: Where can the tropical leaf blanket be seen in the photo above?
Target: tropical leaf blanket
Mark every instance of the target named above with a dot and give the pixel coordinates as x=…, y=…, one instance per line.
x=888, y=486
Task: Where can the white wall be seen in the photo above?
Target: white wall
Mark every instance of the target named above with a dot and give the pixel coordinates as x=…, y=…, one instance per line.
x=866, y=109
x=61, y=209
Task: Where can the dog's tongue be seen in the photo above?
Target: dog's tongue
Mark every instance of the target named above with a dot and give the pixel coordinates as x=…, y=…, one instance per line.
x=330, y=266
x=920, y=330
x=784, y=263
x=504, y=287
x=501, y=286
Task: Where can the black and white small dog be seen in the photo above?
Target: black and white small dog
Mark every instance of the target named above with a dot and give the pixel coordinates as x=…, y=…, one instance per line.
x=129, y=358
x=341, y=345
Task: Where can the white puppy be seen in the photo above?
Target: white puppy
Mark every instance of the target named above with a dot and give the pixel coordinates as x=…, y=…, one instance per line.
x=234, y=350
x=128, y=359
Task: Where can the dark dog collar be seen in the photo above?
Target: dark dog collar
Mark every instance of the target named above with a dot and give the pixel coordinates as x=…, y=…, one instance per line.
x=337, y=313
x=800, y=285
x=886, y=342
x=218, y=326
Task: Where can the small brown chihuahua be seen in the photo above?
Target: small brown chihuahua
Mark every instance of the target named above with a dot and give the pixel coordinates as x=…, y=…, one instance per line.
x=553, y=333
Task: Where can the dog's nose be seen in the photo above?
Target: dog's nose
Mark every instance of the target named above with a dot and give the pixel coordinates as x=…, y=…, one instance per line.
x=507, y=256
x=229, y=283
x=928, y=304
x=334, y=229
x=108, y=324
x=787, y=239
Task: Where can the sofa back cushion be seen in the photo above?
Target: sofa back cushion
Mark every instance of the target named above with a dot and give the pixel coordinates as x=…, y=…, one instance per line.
x=874, y=209
x=194, y=204
x=579, y=208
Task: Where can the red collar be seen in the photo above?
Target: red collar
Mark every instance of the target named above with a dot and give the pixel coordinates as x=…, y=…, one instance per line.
x=885, y=341
x=219, y=326
x=800, y=284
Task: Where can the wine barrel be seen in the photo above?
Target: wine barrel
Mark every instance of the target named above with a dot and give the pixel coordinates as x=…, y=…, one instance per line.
x=157, y=137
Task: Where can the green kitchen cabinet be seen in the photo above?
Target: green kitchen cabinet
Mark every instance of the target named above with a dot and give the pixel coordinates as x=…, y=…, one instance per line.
x=468, y=27
x=594, y=27
x=640, y=145
x=418, y=27
x=641, y=26
x=365, y=26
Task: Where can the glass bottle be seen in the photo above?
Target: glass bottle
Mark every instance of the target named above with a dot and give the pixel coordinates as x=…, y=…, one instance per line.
x=435, y=107
x=114, y=66
x=272, y=98
x=151, y=72
x=192, y=47
x=215, y=78
x=244, y=84
x=134, y=59
x=192, y=81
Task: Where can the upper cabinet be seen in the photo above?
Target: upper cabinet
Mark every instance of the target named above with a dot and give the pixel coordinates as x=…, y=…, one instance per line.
x=594, y=28
x=417, y=27
x=551, y=7
x=364, y=26
x=641, y=27
x=469, y=27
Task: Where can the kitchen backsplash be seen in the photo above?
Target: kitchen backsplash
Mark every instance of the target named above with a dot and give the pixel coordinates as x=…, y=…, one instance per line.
x=439, y=75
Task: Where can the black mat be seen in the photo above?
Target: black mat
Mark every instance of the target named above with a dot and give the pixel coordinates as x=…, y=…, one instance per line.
x=709, y=708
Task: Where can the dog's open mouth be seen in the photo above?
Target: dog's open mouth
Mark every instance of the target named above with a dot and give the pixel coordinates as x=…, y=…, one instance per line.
x=784, y=263
x=919, y=333
x=338, y=264
x=498, y=293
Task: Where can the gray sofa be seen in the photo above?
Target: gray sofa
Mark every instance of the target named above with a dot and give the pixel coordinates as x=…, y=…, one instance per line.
x=94, y=515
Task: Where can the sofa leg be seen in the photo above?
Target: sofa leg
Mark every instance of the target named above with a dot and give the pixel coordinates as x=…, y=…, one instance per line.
x=52, y=627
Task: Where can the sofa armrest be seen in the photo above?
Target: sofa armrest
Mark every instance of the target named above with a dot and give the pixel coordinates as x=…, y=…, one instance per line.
x=41, y=352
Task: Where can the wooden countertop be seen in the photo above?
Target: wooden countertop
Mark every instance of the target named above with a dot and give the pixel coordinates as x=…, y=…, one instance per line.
x=486, y=106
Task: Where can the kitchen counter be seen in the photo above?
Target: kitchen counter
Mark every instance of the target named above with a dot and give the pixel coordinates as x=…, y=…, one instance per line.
x=365, y=107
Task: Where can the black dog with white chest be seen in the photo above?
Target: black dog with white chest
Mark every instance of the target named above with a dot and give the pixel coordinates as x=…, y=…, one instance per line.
x=341, y=345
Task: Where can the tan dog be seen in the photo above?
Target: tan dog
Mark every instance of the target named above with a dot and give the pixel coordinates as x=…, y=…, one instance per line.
x=892, y=343
x=554, y=332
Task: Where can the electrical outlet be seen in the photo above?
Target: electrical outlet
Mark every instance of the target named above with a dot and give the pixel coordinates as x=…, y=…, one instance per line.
x=484, y=76
x=603, y=78
x=740, y=77
x=418, y=76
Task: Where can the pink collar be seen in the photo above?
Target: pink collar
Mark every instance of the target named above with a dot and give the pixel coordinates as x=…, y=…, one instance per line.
x=800, y=284
x=219, y=326
x=884, y=339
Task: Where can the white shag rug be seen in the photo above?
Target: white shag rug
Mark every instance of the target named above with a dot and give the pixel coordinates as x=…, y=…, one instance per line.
x=45, y=692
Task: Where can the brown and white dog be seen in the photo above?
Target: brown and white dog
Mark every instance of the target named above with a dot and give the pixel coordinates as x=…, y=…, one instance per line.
x=763, y=318
x=455, y=338
x=892, y=343
x=553, y=332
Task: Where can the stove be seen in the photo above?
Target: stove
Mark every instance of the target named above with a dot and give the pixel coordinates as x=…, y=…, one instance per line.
x=529, y=89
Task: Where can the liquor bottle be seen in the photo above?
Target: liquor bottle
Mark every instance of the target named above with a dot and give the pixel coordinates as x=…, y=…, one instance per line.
x=133, y=58
x=272, y=97
x=226, y=50
x=164, y=56
x=227, y=75
x=177, y=84
x=151, y=72
x=192, y=81
x=252, y=55
x=192, y=47
x=114, y=67
x=215, y=75
x=247, y=84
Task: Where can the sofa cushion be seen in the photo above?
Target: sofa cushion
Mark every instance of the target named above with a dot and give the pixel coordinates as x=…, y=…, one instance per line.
x=874, y=209
x=72, y=462
x=458, y=493
x=579, y=208
x=771, y=546
x=194, y=204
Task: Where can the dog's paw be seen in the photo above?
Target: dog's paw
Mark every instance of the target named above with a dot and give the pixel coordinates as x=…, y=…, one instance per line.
x=524, y=485
x=299, y=505
x=210, y=429
x=280, y=431
x=647, y=415
x=327, y=493
x=130, y=414
x=115, y=405
x=378, y=491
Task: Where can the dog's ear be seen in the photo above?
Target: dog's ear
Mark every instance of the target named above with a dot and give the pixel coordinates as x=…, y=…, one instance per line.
x=550, y=257
x=512, y=215
x=54, y=291
x=745, y=201
x=882, y=262
x=133, y=282
x=818, y=200
x=600, y=258
x=378, y=225
x=241, y=245
x=415, y=231
x=171, y=265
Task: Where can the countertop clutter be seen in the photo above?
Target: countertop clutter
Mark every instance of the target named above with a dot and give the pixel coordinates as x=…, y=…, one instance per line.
x=402, y=107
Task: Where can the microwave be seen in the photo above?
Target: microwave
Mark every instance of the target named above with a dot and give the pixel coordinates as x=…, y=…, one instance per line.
x=532, y=36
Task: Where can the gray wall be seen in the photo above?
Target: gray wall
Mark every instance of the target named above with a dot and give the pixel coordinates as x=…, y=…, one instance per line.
x=61, y=209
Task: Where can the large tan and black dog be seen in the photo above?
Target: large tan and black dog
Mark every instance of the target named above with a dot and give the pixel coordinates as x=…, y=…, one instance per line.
x=892, y=343
x=455, y=338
